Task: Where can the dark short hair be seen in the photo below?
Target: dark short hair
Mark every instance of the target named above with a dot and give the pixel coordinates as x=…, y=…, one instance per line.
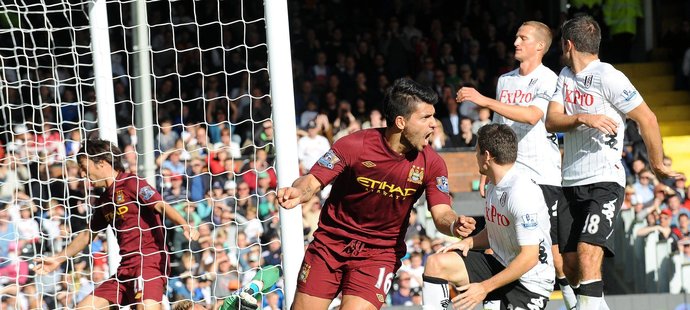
x=584, y=32
x=101, y=150
x=402, y=99
x=500, y=141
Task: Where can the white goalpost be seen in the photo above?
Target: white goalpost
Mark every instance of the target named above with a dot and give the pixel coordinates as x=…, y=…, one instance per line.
x=190, y=91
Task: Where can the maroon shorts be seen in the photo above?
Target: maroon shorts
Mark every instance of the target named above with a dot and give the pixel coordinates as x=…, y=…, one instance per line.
x=134, y=285
x=332, y=265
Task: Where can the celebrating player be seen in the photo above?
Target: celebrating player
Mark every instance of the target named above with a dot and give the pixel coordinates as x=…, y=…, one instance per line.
x=522, y=102
x=377, y=176
x=135, y=209
x=520, y=273
x=590, y=105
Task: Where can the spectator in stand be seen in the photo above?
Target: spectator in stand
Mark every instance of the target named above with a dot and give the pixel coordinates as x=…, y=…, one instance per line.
x=171, y=160
x=644, y=187
x=663, y=227
x=402, y=293
x=484, y=118
x=439, y=139
x=451, y=123
x=673, y=203
x=682, y=231
x=466, y=137
x=167, y=136
x=311, y=147
x=199, y=180
x=227, y=144
x=631, y=200
x=680, y=187
x=312, y=110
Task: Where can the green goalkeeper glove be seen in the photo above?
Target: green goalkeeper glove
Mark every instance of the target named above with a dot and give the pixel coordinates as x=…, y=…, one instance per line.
x=246, y=299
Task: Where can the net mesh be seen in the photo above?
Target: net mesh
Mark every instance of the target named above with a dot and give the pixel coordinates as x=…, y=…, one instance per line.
x=213, y=144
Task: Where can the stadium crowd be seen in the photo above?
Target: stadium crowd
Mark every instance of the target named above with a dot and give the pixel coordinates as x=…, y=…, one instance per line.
x=214, y=138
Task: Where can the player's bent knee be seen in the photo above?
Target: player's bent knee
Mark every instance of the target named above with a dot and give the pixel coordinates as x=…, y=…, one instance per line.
x=443, y=265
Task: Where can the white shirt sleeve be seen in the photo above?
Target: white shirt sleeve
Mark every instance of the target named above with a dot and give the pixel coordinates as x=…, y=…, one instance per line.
x=558, y=92
x=544, y=93
x=620, y=92
x=526, y=204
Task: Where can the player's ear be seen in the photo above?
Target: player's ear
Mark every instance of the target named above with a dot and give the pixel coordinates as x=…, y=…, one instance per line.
x=400, y=122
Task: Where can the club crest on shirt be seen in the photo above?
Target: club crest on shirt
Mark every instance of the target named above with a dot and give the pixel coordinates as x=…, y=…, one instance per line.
x=328, y=160
x=503, y=198
x=119, y=196
x=416, y=175
x=529, y=221
x=304, y=273
x=588, y=80
x=146, y=192
x=380, y=297
x=442, y=184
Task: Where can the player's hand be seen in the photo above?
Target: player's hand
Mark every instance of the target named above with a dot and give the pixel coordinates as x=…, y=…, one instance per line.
x=47, y=264
x=289, y=197
x=470, y=94
x=248, y=302
x=464, y=226
x=190, y=233
x=663, y=172
x=464, y=246
x=600, y=122
x=472, y=295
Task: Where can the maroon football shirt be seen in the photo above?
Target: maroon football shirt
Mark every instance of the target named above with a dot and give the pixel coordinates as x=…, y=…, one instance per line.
x=138, y=227
x=374, y=188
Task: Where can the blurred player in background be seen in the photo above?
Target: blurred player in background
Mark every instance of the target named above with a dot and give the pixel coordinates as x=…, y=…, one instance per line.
x=377, y=174
x=135, y=209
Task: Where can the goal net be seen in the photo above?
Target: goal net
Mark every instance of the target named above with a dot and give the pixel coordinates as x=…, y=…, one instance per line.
x=211, y=155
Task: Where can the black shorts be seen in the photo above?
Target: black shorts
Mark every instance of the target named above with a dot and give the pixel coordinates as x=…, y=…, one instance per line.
x=482, y=266
x=556, y=202
x=589, y=216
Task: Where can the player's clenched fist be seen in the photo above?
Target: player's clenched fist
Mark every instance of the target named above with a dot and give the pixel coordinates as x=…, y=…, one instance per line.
x=464, y=226
x=46, y=265
x=289, y=197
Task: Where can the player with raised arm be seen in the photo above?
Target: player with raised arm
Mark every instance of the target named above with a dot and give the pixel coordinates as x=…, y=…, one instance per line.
x=135, y=210
x=522, y=102
x=377, y=174
x=590, y=105
x=520, y=273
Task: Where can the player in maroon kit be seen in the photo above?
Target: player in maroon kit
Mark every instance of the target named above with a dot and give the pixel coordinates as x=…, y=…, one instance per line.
x=377, y=174
x=135, y=209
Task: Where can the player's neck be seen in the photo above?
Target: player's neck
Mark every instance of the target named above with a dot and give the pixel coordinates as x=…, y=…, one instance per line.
x=528, y=66
x=581, y=61
x=392, y=138
x=497, y=172
x=109, y=181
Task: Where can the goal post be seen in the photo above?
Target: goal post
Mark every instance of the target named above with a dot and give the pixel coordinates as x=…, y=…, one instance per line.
x=280, y=66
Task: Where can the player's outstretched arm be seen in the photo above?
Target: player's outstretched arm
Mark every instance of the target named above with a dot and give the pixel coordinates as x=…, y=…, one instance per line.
x=474, y=293
x=449, y=223
x=301, y=191
x=558, y=121
x=529, y=114
x=48, y=264
x=170, y=213
x=651, y=134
